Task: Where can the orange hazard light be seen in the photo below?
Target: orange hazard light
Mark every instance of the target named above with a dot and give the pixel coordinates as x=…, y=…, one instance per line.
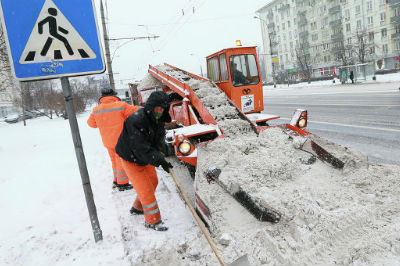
x=238, y=43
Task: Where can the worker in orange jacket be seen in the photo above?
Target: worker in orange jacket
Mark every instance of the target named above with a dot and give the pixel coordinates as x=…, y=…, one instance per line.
x=109, y=117
x=139, y=146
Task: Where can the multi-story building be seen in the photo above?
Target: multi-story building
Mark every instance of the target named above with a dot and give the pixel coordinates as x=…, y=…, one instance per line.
x=328, y=34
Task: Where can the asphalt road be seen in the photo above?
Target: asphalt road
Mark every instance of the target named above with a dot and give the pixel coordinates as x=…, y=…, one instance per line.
x=365, y=117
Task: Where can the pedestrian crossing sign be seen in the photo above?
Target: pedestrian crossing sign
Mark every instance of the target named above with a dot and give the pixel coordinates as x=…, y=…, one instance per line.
x=52, y=38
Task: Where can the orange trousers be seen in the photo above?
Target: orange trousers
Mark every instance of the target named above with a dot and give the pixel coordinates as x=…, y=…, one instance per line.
x=120, y=177
x=144, y=180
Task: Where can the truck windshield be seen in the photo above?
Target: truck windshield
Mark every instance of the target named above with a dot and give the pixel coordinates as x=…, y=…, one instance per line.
x=244, y=70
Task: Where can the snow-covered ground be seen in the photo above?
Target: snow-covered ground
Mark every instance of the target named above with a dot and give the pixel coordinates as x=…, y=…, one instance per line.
x=44, y=217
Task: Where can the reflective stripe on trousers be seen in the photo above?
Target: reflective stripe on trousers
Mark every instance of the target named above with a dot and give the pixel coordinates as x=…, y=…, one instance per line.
x=120, y=176
x=144, y=180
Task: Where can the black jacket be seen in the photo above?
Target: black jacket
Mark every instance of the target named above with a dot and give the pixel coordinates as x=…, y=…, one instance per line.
x=143, y=135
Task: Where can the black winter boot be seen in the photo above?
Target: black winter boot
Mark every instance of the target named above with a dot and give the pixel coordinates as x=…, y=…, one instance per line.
x=160, y=226
x=124, y=187
x=133, y=210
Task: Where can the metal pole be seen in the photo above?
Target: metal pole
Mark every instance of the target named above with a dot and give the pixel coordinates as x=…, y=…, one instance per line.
x=272, y=63
x=107, y=47
x=98, y=235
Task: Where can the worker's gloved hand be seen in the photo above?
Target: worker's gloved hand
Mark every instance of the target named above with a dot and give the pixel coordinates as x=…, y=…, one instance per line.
x=166, y=166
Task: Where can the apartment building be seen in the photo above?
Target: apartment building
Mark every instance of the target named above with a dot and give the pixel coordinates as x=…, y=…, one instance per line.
x=330, y=34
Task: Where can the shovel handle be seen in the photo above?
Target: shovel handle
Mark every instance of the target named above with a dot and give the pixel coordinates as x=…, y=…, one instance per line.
x=198, y=220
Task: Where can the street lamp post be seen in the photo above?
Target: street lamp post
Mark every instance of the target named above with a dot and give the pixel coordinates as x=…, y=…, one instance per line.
x=270, y=50
x=201, y=68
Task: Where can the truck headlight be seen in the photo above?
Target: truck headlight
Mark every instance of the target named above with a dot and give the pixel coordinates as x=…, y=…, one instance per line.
x=302, y=122
x=184, y=147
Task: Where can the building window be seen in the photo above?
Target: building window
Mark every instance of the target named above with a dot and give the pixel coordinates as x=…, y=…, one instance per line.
x=358, y=9
x=348, y=27
x=315, y=37
x=384, y=33
x=397, y=11
x=369, y=5
x=358, y=24
x=371, y=36
x=347, y=14
x=349, y=40
x=383, y=16
x=370, y=20
x=385, y=48
x=288, y=24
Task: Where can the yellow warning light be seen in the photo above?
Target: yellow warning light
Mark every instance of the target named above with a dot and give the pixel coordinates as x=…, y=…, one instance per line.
x=238, y=43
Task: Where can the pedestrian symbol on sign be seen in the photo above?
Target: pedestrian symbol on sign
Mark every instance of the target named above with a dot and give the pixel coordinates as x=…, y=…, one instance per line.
x=53, y=30
x=61, y=42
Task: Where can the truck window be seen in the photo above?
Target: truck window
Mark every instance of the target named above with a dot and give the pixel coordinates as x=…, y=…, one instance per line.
x=224, y=68
x=244, y=70
x=213, y=69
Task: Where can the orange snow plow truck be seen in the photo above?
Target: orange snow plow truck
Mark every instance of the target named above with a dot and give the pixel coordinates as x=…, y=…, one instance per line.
x=233, y=79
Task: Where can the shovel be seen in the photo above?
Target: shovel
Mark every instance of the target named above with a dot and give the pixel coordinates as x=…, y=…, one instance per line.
x=242, y=261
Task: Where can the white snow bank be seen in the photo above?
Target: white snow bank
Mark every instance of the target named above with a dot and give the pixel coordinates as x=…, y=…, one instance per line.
x=345, y=217
x=44, y=216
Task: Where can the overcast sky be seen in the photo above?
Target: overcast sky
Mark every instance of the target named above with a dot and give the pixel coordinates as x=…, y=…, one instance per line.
x=189, y=30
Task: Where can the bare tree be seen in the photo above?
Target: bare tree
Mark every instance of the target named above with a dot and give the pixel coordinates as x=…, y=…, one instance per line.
x=364, y=46
x=343, y=53
x=303, y=59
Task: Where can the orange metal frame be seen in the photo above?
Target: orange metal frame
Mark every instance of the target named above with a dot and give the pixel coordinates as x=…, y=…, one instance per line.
x=184, y=90
x=233, y=92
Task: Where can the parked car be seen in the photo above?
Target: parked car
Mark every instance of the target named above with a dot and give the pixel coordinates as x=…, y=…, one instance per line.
x=18, y=117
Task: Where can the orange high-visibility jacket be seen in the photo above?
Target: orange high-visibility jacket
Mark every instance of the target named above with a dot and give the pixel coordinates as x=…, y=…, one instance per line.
x=109, y=117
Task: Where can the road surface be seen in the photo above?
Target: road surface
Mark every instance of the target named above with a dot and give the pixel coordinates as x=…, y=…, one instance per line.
x=365, y=117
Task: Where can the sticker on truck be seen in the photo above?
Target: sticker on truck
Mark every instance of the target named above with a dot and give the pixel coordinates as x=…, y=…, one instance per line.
x=247, y=103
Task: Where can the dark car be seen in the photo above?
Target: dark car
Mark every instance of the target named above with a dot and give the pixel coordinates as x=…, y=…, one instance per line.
x=18, y=117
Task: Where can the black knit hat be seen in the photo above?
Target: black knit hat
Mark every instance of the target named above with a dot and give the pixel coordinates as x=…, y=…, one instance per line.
x=108, y=92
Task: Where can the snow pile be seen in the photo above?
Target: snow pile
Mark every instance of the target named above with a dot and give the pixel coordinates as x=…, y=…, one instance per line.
x=149, y=82
x=330, y=216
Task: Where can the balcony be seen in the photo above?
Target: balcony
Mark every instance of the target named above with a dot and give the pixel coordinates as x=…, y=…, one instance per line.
x=396, y=36
x=337, y=22
x=395, y=19
x=337, y=36
x=334, y=9
x=284, y=7
x=394, y=2
x=302, y=21
x=303, y=34
x=302, y=13
x=337, y=48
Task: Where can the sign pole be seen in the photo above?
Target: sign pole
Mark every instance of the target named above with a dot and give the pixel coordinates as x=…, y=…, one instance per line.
x=98, y=235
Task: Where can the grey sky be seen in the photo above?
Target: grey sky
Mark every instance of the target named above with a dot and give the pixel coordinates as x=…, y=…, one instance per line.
x=213, y=26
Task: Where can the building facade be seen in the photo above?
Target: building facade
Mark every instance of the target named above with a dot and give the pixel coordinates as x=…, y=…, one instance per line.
x=326, y=35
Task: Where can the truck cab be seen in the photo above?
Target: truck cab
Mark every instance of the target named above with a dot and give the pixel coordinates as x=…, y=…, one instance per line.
x=236, y=72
